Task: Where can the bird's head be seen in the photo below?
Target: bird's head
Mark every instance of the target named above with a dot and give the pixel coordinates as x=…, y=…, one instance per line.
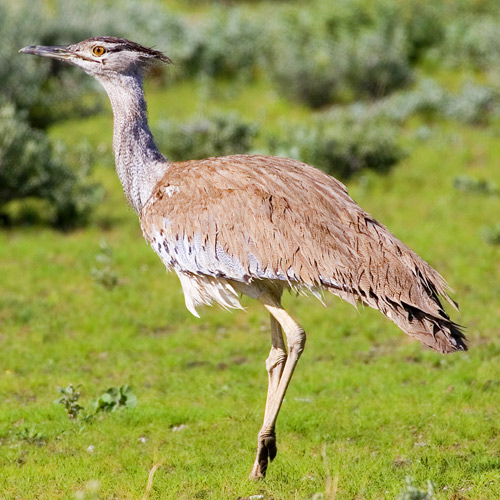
x=101, y=56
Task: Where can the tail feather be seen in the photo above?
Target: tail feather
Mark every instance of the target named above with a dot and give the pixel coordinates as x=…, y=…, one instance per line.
x=439, y=333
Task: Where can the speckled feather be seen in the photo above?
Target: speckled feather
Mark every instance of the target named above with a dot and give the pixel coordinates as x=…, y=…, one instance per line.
x=246, y=218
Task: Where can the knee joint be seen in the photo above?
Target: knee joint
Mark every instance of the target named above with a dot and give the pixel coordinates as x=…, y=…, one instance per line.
x=275, y=358
x=297, y=342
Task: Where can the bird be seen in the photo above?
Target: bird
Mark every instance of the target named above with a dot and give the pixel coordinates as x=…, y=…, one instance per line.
x=257, y=225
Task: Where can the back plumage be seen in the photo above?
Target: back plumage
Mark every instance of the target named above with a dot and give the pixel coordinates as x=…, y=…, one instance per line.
x=249, y=218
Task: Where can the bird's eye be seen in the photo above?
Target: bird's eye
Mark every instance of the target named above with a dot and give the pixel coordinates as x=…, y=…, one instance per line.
x=98, y=51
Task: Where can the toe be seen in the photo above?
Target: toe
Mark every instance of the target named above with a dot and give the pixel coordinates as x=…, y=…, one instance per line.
x=270, y=445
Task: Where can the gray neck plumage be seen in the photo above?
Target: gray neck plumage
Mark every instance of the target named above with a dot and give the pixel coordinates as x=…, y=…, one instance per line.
x=139, y=164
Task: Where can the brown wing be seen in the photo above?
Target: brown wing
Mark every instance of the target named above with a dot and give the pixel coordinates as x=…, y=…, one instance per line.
x=255, y=217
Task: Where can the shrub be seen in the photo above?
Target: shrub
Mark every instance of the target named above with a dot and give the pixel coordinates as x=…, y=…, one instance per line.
x=227, y=43
x=220, y=135
x=342, y=148
x=305, y=62
x=319, y=62
x=424, y=24
x=31, y=166
x=470, y=41
x=468, y=184
x=474, y=104
x=491, y=234
x=379, y=62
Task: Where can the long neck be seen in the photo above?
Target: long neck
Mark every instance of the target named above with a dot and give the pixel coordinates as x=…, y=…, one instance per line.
x=139, y=164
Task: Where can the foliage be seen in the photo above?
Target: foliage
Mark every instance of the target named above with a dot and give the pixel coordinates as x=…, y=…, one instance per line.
x=470, y=41
x=491, y=234
x=412, y=492
x=468, y=184
x=69, y=399
x=378, y=61
x=305, y=63
x=114, y=399
x=227, y=43
x=219, y=135
x=474, y=104
x=103, y=272
x=342, y=147
x=318, y=61
x=111, y=400
x=32, y=166
x=31, y=435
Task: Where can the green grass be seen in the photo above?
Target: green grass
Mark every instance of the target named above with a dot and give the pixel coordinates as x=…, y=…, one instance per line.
x=382, y=407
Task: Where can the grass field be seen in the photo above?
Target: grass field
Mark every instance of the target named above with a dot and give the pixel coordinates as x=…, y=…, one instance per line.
x=368, y=408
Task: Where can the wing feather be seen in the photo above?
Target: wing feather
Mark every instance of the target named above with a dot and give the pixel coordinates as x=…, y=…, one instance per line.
x=254, y=217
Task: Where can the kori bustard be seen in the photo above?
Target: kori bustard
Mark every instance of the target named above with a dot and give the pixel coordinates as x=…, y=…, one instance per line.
x=257, y=225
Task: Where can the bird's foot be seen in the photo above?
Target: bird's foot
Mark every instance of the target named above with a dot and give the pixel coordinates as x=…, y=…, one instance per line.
x=266, y=451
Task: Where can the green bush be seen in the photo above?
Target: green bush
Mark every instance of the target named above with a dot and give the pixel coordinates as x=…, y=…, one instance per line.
x=424, y=23
x=470, y=41
x=301, y=62
x=31, y=166
x=227, y=43
x=220, y=135
x=379, y=62
x=319, y=61
x=342, y=148
x=474, y=104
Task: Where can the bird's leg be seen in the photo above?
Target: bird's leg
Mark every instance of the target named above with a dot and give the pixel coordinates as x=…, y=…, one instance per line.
x=275, y=362
x=279, y=377
x=274, y=366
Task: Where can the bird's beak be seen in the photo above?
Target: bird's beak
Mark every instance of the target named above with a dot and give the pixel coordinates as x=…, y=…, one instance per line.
x=60, y=52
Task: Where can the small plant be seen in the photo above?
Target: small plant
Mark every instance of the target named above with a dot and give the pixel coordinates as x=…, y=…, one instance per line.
x=331, y=485
x=69, y=399
x=31, y=435
x=412, y=492
x=91, y=491
x=468, y=184
x=115, y=398
x=103, y=273
x=491, y=234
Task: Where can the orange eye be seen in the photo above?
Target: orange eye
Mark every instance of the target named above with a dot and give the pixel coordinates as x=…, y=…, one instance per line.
x=98, y=51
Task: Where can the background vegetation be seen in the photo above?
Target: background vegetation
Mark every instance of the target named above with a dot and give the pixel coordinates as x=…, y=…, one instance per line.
x=398, y=99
